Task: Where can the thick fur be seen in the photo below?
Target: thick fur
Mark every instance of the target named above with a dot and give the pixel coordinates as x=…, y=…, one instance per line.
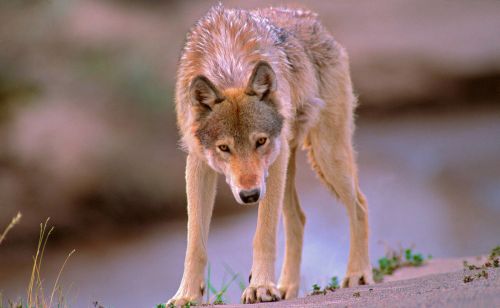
x=252, y=87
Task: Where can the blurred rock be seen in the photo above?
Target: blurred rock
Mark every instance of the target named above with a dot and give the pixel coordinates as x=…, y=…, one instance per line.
x=403, y=53
x=432, y=53
x=88, y=168
x=87, y=132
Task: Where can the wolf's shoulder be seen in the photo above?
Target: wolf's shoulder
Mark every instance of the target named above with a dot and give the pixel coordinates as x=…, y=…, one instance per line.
x=285, y=13
x=269, y=19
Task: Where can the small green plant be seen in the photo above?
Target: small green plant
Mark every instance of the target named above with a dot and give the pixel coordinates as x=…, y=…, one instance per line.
x=213, y=296
x=241, y=283
x=493, y=260
x=218, y=295
x=356, y=294
x=414, y=259
x=333, y=284
x=482, y=273
x=495, y=252
x=316, y=290
x=186, y=305
x=397, y=259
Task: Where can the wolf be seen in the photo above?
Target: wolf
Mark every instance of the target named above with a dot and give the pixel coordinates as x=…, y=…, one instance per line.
x=254, y=86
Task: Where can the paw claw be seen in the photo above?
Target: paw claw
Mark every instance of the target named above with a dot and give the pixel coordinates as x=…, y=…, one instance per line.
x=259, y=294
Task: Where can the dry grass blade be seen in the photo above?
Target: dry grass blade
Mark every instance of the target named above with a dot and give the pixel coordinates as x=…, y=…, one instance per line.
x=40, y=295
x=13, y=222
x=59, y=276
x=33, y=295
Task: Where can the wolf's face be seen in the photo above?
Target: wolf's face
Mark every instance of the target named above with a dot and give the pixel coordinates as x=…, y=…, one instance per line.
x=239, y=129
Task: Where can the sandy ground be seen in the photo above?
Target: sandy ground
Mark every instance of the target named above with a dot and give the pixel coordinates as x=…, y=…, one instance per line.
x=434, y=288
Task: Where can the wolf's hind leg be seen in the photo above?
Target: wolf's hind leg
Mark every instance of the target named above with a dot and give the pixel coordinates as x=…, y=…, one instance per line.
x=294, y=220
x=332, y=156
x=334, y=162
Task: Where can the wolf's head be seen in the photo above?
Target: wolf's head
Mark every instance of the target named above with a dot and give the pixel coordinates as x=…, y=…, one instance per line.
x=239, y=130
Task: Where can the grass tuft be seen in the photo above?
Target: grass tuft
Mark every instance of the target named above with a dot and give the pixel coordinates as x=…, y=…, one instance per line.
x=214, y=296
x=218, y=295
x=332, y=286
x=317, y=290
x=493, y=260
x=395, y=259
x=35, y=294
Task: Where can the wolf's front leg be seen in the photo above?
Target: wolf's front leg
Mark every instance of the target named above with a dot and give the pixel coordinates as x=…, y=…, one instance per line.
x=200, y=186
x=262, y=286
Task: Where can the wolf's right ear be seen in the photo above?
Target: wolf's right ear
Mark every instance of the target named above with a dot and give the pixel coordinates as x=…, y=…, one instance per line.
x=204, y=93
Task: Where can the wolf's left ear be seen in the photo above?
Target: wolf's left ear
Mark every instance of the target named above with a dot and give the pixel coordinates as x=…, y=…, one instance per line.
x=204, y=93
x=262, y=81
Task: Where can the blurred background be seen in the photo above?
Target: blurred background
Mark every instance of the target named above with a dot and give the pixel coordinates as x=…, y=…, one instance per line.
x=88, y=138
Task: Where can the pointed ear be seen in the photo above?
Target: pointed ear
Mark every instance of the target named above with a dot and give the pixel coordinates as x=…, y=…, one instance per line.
x=262, y=81
x=204, y=93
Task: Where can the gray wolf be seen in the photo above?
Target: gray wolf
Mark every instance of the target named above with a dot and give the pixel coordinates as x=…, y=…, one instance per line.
x=252, y=87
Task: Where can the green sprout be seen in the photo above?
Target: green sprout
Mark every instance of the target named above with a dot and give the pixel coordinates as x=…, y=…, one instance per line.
x=394, y=260
x=218, y=295
x=333, y=285
x=316, y=289
x=493, y=260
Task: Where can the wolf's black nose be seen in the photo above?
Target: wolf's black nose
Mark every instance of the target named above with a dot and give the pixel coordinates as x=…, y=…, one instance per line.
x=250, y=196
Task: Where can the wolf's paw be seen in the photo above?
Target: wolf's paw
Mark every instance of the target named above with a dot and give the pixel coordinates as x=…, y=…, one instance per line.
x=185, y=297
x=182, y=302
x=288, y=291
x=261, y=293
x=355, y=279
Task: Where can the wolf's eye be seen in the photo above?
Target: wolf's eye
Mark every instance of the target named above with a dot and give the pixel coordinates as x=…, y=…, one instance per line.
x=224, y=148
x=261, y=141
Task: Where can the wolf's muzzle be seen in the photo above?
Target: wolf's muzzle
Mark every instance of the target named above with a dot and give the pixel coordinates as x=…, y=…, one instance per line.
x=250, y=196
